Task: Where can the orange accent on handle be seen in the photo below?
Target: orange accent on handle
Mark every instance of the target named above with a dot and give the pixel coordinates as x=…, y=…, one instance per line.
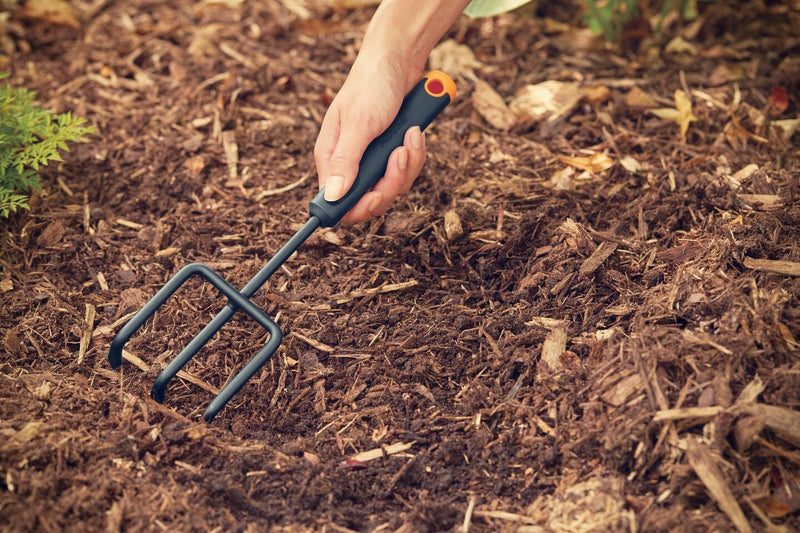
x=438, y=83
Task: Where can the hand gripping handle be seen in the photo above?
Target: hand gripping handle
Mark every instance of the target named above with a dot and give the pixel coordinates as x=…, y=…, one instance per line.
x=419, y=108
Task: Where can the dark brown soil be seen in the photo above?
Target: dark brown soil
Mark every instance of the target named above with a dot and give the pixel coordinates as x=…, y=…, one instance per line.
x=399, y=331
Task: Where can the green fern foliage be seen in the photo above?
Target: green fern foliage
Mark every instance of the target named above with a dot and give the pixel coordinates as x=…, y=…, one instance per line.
x=30, y=137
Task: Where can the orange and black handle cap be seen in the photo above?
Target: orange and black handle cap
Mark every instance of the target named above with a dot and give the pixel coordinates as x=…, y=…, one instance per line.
x=437, y=84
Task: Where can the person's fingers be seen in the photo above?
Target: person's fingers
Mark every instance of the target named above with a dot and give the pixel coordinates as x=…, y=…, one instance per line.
x=417, y=151
x=326, y=144
x=402, y=168
x=369, y=205
x=342, y=164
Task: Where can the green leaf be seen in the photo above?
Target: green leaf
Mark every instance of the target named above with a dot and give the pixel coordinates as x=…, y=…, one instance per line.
x=488, y=8
x=30, y=137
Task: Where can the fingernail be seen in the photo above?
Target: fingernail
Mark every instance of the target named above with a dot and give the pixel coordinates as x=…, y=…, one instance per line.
x=416, y=137
x=402, y=158
x=333, y=188
x=375, y=202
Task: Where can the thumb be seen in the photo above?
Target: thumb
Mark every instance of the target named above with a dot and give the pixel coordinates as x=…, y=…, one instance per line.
x=344, y=161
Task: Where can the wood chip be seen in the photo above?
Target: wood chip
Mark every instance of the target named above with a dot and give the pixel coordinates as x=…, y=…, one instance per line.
x=705, y=466
x=785, y=423
x=231, y=153
x=598, y=257
x=751, y=392
x=762, y=202
x=88, y=328
x=702, y=338
x=555, y=343
x=383, y=451
x=452, y=225
x=623, y=390
x=101, y=280
x=787, y=268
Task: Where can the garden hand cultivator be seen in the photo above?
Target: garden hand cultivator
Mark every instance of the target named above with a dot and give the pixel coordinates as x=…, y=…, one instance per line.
x=419, y=108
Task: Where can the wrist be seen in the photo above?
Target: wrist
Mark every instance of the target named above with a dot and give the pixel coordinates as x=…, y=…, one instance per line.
x=383, y=55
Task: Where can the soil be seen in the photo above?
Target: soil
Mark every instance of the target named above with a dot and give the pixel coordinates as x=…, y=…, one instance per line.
x=593, y=351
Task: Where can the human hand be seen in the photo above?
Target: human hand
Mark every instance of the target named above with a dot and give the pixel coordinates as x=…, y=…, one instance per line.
x=364, y=107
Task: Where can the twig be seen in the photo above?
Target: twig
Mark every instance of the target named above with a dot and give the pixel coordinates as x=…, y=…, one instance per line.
x=504, y=515
x=141, y=365
x=468, y=514
x=360, y=293
x=788, y=268
x=281, y=190
x=321, y=346
x=383, y=451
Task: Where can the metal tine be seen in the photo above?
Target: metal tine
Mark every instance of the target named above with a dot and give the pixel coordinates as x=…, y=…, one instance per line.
x=244, y=375
x=160, y=385
x=193, y=269
x=237, y=300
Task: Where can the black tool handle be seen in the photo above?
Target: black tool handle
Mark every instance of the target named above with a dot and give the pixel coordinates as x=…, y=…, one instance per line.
x=420, y=107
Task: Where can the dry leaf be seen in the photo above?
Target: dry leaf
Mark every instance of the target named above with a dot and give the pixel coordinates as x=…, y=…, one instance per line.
x=6, y=285
x=778, y=100
x=630, y=164
x=787, y=128
x=195, y=164
x=636, y=97
x=679, y=45
x=686, y=117
x=772, y=507
x=453, y=58
x=491, y=106
x=681, y=114
x=719, y=51
x=788, y=494
x=561, y=180
x=725, y=73
x=52, y=11
x=595, y=163
x=549, y=100
x=667, y=113
x=596, y=94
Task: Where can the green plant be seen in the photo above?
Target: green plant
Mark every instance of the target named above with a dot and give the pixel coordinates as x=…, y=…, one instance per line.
x=608, y=17
x=30, y=137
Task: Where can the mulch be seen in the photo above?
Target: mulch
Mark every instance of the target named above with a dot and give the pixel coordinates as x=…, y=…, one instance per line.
x=513, y=347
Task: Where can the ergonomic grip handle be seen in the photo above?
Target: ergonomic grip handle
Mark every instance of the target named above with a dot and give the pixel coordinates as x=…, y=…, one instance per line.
x=419, y=108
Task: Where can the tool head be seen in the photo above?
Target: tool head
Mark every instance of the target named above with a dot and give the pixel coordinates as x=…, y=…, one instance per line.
x=420, y=107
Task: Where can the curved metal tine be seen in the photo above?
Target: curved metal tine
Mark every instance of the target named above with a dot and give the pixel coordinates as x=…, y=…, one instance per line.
x=236, y=301
x=244, y=375
x=158, y=299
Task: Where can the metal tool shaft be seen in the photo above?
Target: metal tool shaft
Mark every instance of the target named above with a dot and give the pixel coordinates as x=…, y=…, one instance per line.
x=160, y=385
